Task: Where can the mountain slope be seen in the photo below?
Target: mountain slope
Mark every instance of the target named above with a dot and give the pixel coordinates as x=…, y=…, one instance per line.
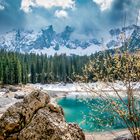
x=47, y=41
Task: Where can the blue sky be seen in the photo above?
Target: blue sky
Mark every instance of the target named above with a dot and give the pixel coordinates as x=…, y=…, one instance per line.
x=88, y=17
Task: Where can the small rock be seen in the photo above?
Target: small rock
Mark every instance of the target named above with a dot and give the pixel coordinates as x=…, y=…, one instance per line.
x=4, y=90
x=13, y=89
x=19, y=96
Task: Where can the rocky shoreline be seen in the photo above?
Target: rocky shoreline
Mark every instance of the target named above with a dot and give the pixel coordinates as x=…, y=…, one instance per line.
x=12, y=95
x=34, y=118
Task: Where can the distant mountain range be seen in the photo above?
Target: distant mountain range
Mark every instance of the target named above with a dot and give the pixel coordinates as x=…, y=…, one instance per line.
x=47, y=41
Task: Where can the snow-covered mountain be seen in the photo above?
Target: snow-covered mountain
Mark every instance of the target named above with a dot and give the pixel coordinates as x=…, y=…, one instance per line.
x=130, y=34
x=47, y=41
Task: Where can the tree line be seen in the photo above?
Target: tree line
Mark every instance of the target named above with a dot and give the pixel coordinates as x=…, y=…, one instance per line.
x=18, y=68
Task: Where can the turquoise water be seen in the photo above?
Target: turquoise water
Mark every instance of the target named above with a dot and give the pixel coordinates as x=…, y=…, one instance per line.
x=90, y=115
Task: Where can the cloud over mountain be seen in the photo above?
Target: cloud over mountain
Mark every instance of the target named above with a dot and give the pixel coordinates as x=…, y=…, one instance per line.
x=61, y=14
x=88, y=17
x=26, y=5
x=104, y=4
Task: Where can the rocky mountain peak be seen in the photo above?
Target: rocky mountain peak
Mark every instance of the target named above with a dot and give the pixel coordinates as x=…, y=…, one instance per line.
x=49, y=33
x=48, y=41
x=67, y=33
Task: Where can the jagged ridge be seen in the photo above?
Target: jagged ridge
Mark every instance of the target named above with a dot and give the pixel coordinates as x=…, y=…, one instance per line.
x=47, y=41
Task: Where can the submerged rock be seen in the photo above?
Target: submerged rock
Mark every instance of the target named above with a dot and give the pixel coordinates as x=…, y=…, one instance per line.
x=35, y=118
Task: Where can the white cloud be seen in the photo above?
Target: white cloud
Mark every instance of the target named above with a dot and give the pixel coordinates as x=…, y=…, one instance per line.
x=104, y=4
x=2, y=7
x=61, y=14
x=27, y=4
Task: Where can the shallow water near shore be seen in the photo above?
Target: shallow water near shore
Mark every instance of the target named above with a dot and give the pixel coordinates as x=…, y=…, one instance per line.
x=87, y=116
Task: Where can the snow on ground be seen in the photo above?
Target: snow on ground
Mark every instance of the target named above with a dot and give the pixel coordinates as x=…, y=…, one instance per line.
x=82, y=89
x=61, y=87
x=1, y=94
x=70, y=87
x=64, y=50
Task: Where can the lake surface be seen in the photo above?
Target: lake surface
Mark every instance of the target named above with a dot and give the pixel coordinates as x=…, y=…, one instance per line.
x=90, y=115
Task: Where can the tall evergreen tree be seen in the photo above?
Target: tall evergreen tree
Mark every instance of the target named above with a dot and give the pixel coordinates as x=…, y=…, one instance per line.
x=33, y=74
